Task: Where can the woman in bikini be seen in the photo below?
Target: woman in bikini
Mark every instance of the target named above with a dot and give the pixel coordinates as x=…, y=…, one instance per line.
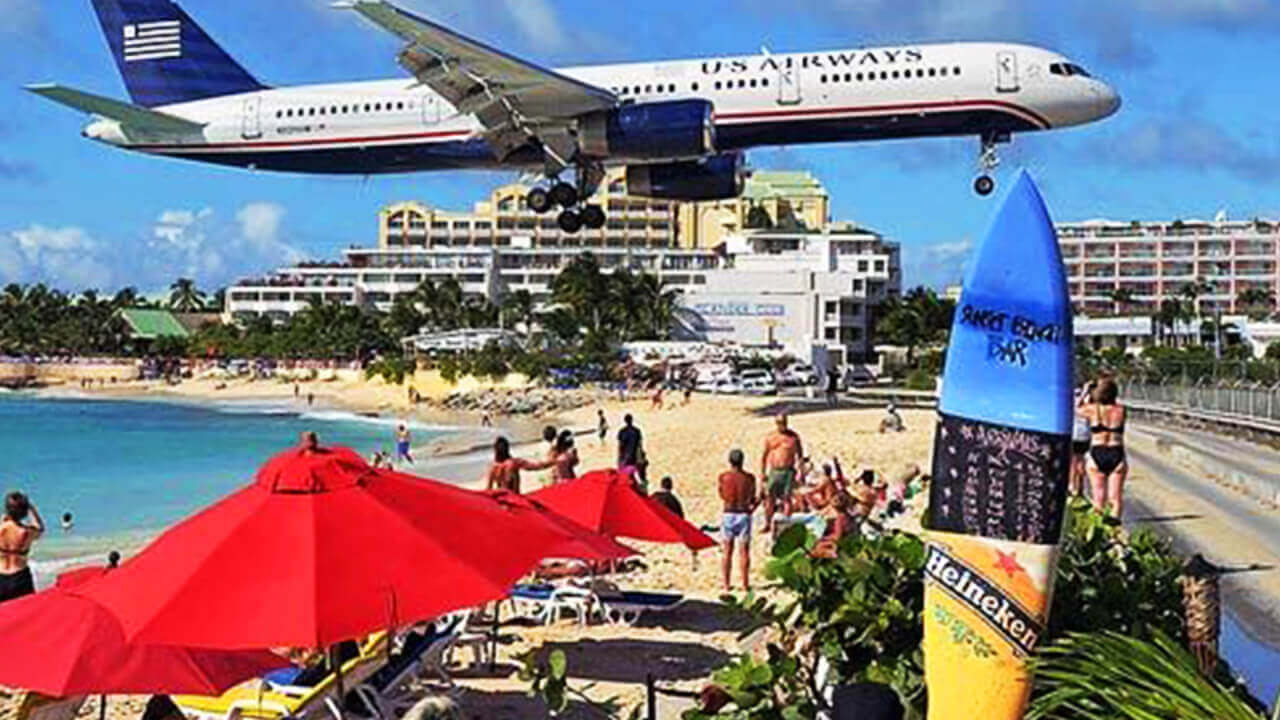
x=16, y=539
x=1108, y=467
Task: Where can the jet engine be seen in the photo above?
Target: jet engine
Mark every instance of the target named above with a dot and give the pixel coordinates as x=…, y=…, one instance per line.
x=670, y=130
x=718, y=177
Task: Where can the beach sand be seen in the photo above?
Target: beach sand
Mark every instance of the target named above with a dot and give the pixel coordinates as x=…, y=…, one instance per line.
x=690, y=443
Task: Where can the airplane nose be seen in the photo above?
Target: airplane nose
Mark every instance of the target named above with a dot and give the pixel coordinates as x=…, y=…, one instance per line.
x=1108, y=100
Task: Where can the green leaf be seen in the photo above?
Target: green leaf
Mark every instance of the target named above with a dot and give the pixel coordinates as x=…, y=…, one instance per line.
x=558, y=664
x=790, y=540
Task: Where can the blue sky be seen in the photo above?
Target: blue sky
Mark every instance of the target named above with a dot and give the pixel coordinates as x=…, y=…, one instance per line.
x=1197, y=132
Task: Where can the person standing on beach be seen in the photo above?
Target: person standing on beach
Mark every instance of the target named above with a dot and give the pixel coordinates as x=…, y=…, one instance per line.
x=16, y=539
x=504, y=471
x=486, y=421
x=403, y=441
x=602, y=426
x=779, y=465
x=311, y=399
x=631, y=450
x=833, y=387
x=667, y=497
x=564, y=466
x=738, y=493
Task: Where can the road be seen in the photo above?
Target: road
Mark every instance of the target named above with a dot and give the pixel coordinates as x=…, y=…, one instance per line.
x=1172, y=489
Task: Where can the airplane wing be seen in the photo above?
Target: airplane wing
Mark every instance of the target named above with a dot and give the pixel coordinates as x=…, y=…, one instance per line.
x=515, y=100
x=132, y=117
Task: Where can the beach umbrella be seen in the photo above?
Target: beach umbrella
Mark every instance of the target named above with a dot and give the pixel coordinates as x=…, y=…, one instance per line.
x=59, y=643
x=323, y=548
x=608, y=502
x=583, y=543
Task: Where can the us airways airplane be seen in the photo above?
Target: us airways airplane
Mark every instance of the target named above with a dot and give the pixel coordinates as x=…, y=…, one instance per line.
x=680, y=127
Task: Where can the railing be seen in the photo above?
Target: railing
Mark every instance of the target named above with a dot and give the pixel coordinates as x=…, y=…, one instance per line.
x=1241, y=399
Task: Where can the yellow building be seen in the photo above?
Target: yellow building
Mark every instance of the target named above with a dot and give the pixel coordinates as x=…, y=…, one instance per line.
x=778, y=200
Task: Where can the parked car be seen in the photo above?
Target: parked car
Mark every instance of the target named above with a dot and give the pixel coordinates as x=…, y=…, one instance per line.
x=758, y=382
x=798, y=374
x=721, y=386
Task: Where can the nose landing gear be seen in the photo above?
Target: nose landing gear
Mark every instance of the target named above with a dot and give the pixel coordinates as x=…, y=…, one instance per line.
x=988, y=161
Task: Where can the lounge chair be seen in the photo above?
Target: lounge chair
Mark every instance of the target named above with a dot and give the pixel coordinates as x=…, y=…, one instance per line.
x=265, y=700
x=545, y=603
x=624, y=607
x=24, y=705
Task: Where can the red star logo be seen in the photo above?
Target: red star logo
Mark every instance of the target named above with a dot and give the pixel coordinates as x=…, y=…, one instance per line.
x=1009, y=563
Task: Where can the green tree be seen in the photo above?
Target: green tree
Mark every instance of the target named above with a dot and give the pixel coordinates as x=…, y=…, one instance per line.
x=1122, y=298
x=517, y=309
x=1257, y=302
x=917, y=319
x=184, y=296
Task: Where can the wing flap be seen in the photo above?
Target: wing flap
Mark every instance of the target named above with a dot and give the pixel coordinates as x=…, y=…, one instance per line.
x=512, y=97
x=129, y=116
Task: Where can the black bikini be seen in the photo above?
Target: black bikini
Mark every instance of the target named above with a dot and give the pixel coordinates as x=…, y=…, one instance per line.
x=15, y=585
x=1107, y=457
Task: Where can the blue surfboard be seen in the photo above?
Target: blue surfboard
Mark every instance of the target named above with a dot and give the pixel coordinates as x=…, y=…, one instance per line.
x=1002, y=449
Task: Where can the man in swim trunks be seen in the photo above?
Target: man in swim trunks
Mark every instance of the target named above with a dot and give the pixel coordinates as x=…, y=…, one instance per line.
x=738, y=491
x=403, y=441
x=779, y=465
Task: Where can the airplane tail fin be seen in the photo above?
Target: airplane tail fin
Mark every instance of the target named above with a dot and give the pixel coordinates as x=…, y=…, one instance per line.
x=165, y=57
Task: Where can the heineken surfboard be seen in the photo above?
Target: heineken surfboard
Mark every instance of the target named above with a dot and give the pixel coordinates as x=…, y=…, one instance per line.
x=1001, y=457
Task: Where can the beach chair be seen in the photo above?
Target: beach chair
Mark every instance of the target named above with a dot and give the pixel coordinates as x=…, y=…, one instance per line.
x=546, y=603
x=261, y=699
x=24, y=705
x=625, y=607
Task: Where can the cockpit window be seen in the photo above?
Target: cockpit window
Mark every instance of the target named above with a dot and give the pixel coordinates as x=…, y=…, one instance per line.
x=1068, y=69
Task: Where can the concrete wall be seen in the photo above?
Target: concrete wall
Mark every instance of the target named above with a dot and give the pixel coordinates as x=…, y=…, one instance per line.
x=56, y=373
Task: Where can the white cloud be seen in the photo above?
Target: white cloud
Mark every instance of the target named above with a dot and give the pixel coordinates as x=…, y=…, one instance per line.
x=537, y=20
x=181, y=242
x=937, y=265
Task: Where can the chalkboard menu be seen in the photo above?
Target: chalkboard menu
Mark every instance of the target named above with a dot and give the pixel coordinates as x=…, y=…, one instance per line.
x=998, y=481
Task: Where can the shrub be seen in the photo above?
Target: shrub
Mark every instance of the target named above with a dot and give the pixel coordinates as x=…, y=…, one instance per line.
x=921, y=379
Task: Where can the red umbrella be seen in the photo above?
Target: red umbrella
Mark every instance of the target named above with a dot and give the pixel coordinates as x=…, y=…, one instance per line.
x=609, y=503
x=323, y=548
x=61, y=644
x=585, y=544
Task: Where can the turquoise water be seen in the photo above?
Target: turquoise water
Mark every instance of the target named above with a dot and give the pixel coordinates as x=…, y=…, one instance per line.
x=127, y=469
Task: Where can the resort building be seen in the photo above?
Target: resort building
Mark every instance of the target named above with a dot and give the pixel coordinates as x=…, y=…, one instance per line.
x=1154, y=261
x=811, y=292
x=804, y=283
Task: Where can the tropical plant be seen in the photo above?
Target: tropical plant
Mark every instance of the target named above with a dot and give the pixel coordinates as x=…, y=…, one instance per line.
x=1193, y=291
x=1123, y=298
x=917, y=319
x=184, y=296
x=517, y=308
x=1257, y=302
x=548, y=676
x=1110, y=674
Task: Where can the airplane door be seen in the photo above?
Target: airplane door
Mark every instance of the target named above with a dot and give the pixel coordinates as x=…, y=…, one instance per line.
x=430, y=110
x=788, y=86
x=251, y=128
x=1007, y=71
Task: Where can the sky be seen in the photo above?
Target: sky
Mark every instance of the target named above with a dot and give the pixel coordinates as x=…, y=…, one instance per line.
x=1196, y=134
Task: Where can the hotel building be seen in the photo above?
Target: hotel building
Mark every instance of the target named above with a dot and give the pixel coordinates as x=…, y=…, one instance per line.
x=771, y=247
x=1153, y=261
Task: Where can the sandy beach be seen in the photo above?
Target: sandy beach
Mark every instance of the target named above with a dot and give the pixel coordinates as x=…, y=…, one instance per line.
x=689, y=443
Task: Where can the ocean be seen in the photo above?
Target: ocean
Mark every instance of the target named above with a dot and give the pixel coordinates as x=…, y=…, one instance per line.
x=127, y=469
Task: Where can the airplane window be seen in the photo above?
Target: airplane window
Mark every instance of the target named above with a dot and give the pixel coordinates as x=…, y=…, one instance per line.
x=742, y=84
x=311, y=111
x=333, y=110
x=884, y=75
x=764, y=82
x=648, y=88
x=695, y=87
x=277, y=114
x=717, y=84
x=1077, y=70
x=673, y=88
x=366, y=107
x=919, y=73
x=942, y=72
x=823, y=78
x=895, y=74
x=859, y=76
x=848, y=77
x=637, y=89
x=399, y=106
x=956, y=71
x=753, y=82
x=932, y=72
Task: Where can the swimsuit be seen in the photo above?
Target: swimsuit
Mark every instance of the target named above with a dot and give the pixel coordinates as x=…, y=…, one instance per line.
x=736, y=525
x=1107, y=457
x=15, y=585
x=781, y=481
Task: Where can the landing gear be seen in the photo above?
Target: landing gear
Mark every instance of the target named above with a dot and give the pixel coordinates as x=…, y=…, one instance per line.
x=538, y=200
x=592, y=217
x=569, y=221
x=564, y=195
x=988, y=161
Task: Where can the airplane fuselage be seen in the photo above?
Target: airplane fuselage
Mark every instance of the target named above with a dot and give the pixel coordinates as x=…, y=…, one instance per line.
x=390, y=126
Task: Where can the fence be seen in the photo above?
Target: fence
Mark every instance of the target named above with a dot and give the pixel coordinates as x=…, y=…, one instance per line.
x=1244, y=399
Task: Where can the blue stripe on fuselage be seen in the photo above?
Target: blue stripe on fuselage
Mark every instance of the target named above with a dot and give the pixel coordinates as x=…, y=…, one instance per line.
x=476, y=154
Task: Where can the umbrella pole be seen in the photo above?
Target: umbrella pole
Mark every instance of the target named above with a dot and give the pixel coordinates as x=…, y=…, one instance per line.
x=336, y=658
x=102, y=707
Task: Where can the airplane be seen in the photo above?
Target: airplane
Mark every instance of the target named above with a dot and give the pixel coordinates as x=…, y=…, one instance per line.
x=679, y=127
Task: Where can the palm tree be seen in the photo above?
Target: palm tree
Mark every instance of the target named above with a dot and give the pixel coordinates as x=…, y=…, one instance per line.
x=1258, y=302
x=583, y=287
x=126, y=297
x=184, y=296
x=1123, y=298
x=517, y=309
x=657, y=304
x=1193, y=291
